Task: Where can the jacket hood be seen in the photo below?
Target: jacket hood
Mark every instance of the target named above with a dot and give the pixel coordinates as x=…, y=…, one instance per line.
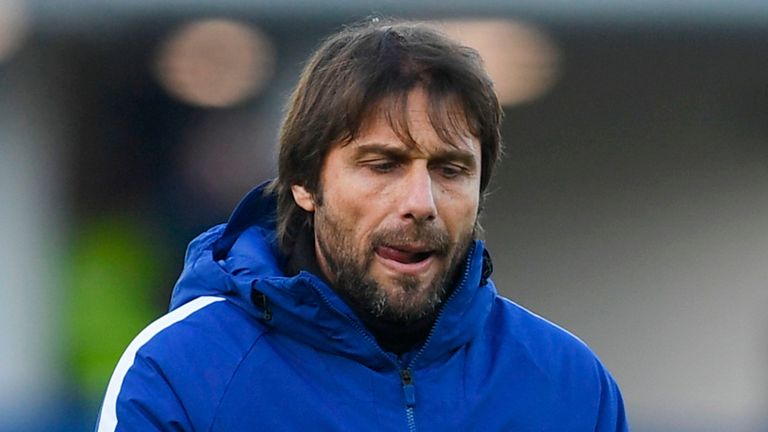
x=240, y=261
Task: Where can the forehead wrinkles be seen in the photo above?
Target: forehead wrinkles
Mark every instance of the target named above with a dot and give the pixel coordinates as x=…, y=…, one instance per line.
x=444, y=113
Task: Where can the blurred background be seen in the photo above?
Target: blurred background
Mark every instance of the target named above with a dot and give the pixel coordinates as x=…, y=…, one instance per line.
x=631, y=207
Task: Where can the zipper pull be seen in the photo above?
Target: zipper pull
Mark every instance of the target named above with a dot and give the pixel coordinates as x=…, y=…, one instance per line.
x=260, y=300
x=408, y=389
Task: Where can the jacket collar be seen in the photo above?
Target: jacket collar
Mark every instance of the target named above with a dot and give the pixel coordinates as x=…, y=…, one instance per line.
x=240, y=260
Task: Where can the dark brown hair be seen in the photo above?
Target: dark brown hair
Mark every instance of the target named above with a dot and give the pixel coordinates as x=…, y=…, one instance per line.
x=374, y=65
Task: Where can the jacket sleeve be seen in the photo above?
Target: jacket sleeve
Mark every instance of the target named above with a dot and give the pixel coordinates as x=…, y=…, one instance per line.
x=141, y=400
x=611, y=416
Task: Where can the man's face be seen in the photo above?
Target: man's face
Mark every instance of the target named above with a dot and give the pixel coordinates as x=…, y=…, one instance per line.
x=395, y=220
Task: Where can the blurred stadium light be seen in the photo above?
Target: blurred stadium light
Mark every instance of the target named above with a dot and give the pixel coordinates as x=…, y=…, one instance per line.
x=521, y=59
x=215, y=62
x=13, y=26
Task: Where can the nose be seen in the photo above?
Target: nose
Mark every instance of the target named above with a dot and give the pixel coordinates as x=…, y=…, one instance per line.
x=418, y=198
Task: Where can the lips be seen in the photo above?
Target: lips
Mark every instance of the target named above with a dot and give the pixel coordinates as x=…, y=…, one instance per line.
x=404, y=254
x=413, y=250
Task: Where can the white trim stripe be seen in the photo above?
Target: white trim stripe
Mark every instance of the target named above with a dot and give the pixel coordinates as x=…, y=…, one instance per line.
x=108, y=416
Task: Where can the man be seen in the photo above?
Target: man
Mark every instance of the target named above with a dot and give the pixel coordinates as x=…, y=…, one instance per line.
x=351, y=293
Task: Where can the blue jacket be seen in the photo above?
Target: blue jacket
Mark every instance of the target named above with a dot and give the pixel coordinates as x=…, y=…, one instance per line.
x=245, y=348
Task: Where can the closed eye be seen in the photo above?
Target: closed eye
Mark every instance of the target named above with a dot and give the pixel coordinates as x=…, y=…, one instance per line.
x=383, y=166
x=450, y=171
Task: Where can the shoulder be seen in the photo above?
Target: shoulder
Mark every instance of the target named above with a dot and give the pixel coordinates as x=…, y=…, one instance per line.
x=205, y=330
x=564, y=383
x=539, y=341
x=180, y=364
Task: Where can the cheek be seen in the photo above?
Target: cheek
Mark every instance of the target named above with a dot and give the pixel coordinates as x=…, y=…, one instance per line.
x=352, y=213
x=460, y=212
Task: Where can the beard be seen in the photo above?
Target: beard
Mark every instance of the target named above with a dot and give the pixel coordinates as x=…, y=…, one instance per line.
x=410, y=298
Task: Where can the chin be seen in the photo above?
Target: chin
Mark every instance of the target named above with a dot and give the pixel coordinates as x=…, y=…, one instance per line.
x=408, y=291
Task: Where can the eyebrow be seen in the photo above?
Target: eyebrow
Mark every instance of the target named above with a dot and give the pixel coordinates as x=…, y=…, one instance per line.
x=449, y=155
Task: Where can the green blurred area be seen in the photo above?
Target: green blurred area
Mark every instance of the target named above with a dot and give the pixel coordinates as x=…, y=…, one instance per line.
x=113, y=272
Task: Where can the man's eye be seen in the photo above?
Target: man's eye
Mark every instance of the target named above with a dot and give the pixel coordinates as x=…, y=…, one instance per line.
x=383, y=166
x=450, y=171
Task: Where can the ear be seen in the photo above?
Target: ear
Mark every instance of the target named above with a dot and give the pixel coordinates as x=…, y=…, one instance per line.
x=303, y=198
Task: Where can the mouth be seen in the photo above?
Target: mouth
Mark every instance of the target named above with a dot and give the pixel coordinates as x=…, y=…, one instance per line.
x=409, y=259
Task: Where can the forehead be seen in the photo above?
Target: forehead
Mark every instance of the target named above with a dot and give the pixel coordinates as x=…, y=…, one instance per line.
x=418, y=122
